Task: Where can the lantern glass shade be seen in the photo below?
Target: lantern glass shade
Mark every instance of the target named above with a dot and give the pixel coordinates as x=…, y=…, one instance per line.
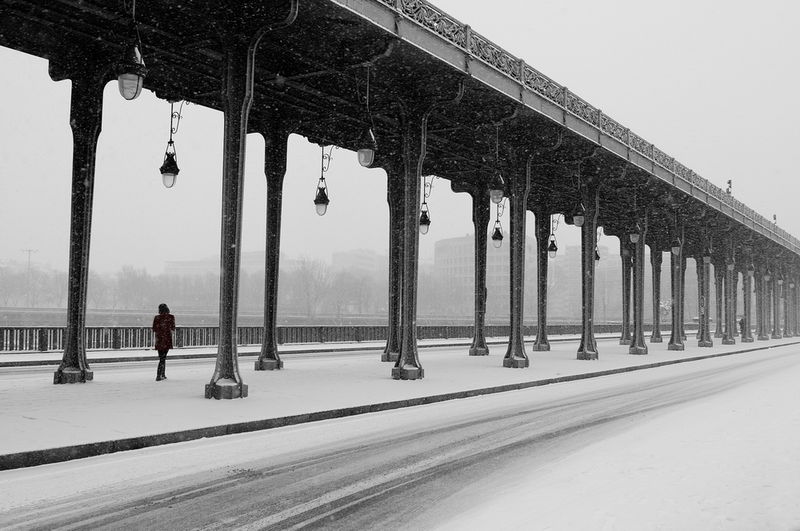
x=579, y=215
x=780, y=281
x=676, y=247
x=729, y=266
x=367, y=148
x=424, y=222
x=496, y=190
x=552, y=249
x=169, y=170
x=131, y=72
x=321, y=200
x=768, y=275
x=634, y=237
x=497, y=237
x=751, y=270
x=706, y=259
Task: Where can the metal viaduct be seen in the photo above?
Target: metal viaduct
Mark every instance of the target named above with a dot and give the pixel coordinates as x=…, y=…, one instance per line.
x=435, y=98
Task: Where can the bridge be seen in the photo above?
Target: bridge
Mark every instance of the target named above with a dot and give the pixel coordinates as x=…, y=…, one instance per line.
x=357, y=74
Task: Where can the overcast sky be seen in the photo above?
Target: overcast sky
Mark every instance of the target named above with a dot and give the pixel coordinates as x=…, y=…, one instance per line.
x=714, y=84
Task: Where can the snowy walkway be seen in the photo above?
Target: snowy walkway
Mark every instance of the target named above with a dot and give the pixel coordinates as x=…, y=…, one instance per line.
x=125, y=402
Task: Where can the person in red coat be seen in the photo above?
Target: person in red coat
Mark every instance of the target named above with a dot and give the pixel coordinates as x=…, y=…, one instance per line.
x=163, y=326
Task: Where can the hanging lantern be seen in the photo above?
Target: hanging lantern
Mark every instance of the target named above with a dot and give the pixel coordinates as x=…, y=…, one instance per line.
x=552, y=249
x=497, y=188
x=169, y=169
x=768, y=275
x=676, y=247
x=321, y=200
x=424, y=219
x=367, y=148
x=634, y=236
x=751, y=270
x=131, y=70
x=579, y=214
x=497, y=236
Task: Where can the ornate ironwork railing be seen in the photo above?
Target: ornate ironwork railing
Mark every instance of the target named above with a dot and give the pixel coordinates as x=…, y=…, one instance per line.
x=43, y=339
x=461, y=35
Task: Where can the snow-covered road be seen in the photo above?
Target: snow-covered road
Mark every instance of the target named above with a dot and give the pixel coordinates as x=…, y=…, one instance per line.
x=713, y=444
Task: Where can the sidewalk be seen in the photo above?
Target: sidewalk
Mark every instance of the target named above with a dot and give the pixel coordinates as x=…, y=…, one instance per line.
x=34, y=358
x=125, y=408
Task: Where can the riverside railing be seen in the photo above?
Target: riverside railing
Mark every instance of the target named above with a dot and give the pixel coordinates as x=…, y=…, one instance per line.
x=43, y=339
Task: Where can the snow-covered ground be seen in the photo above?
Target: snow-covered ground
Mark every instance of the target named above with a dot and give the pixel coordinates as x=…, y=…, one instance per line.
x=124, y=400
x=728, y=460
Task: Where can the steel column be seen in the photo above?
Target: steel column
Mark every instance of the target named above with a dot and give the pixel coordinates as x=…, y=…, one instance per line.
x=704, y=287
x=747, y=302
x=676, y=339
x=587, y=350
x=655, y=264
x=542, y=220
x=394, y=197
x=763, y=309
x=86, y=116
x=730, y=320
x=519, y=186
x=226, y=382
x=408, y=366
x=776, y=307
x=275, y=147
x=627, y=264
x=719, y=275
x=480, y=220
x=638, y=345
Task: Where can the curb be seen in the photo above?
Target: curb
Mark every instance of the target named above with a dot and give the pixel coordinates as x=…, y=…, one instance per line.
x=80, y=451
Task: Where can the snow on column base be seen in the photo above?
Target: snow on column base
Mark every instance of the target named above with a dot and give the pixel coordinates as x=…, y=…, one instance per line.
x=72, y=375
x=269, y=365
x=407, y=373
x=479, y=351
x=390, y=356
x=516, y=363
x=226, y=388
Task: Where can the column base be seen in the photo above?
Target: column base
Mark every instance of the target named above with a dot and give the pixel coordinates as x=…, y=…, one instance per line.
x=776, y=336
x=269, y=365
x=407, y=373
x=516, y=363
x=624, y=341
x=718, y=335
x=637, y=350
x=540, y=347
x=747, y=340
x=587, y=355
x=763, y=338
x=728, y=341
x=656, y=339
x=479, y=351
x=72, y=375
x=704, y=344
x=675, y=346
x=390, y=356
x=226, y=388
